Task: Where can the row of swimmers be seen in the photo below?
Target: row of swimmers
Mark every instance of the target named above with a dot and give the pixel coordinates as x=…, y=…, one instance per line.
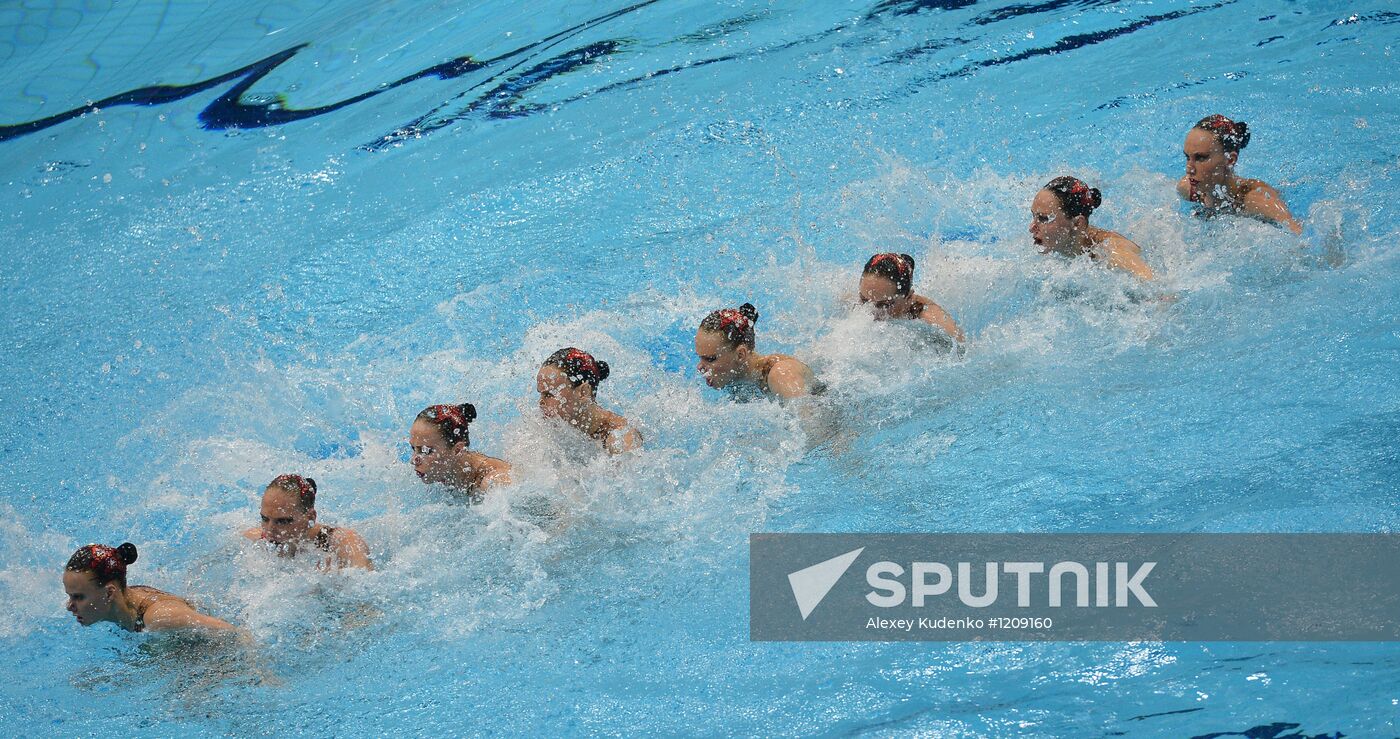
x=725, y=345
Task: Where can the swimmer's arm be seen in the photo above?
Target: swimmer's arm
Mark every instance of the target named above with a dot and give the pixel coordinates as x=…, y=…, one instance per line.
x=788, y=379
x=934, y=315
x=1264, y=202
x=171, y=614
x=622, y=439
x=1127, y=256
x=351, y=550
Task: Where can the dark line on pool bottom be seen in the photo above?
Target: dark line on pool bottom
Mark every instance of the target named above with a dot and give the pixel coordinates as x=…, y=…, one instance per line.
x=229, y=111
x=1078, y=41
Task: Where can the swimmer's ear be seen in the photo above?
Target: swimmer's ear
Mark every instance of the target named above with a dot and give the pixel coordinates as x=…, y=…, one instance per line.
x=1232, y=157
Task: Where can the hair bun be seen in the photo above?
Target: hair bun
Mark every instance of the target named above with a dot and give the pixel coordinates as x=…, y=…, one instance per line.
x=748, y=311
x=468, y=411
x=311, y=484
x=1242, y=133
x=127, y=552
x=1095, y=197
x=603, y=369
x=908, y=260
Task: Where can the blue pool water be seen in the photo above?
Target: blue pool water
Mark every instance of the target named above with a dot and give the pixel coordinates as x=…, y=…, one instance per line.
x=252, y=238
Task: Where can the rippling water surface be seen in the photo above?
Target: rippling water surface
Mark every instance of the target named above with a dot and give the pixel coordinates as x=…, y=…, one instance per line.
x=250, y=238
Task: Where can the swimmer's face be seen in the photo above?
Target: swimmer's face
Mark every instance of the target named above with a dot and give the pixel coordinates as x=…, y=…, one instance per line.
x=881, y=295
x=1208, y=165
x=434, y=459
x=89, y=602
x=1051, y=229
x=283, y=519
x=719, y=363
x=560, y=398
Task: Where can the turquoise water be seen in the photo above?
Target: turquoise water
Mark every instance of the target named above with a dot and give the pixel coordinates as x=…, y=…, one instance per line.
x=334, y=214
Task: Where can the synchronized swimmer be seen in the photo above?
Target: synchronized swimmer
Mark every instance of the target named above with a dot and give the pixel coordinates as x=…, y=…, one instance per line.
x=95, y=581
x=725, y=344
x=442, y=454
x=1212, y=148
x=1060, y=225
x=289, y=525
x=728, y=360
x=887, y=286
x=568, y=387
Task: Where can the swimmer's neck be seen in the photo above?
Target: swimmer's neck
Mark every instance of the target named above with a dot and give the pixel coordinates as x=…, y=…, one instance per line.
x=1082, y=241
x=123, y=612
x=475, y=471
x=1226, y=196
x=753, y=369
x=290, y=548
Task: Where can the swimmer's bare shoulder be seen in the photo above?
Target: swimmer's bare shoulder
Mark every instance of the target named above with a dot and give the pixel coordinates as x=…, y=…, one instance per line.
x=1121, y=253
x=789, y=377
x=1262, y=201
x=621, y=436
x=933, y=314
x=1183, y=188
x=350, y=549
x=501, y=474
x=170, y=613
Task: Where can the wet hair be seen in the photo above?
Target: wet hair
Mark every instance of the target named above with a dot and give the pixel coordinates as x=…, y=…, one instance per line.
x=1075, y=197
x=302, y=487
x=1232, y=135
x=579, y=366
x=451, y=420
x=735, y=323
x=106, y=564
x=897, y=268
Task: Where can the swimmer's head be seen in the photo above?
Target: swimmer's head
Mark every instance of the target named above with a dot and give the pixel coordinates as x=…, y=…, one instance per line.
x=1060, y=214
x=568, y=382
x=94, y=578
x=724, y=343
x=439, y=440
x=288, y=509
x=887, y=282
x=1212, y=148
